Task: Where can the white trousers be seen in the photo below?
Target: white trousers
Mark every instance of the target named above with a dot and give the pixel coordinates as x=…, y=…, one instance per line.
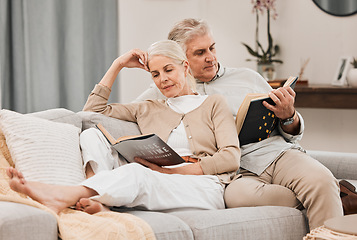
x=97, y=152
x=133, y=185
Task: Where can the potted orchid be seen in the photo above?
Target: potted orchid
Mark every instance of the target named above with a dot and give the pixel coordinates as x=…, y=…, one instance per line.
x=264, y=56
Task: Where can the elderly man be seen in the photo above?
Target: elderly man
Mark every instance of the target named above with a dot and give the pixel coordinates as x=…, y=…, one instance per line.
x=275, y=171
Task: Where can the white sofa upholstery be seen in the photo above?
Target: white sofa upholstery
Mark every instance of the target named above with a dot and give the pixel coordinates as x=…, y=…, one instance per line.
x=19, y=221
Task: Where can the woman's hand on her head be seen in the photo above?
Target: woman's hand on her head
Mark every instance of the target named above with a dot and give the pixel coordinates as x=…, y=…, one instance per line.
x=135, y=58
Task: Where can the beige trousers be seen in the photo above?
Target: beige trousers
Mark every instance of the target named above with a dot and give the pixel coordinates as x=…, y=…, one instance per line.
x=292, y=179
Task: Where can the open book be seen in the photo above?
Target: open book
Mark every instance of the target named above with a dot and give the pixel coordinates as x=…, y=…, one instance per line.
x=149, y=147
x=254, y=121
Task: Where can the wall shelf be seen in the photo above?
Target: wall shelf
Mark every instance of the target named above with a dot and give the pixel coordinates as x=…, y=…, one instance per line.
x=325, y=96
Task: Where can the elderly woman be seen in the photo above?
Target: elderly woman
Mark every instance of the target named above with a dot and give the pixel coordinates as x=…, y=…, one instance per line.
x=200, y=128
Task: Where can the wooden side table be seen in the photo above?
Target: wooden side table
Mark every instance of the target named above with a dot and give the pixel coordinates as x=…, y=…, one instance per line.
x=339, y=228
x=325, y=96
x=321, y=95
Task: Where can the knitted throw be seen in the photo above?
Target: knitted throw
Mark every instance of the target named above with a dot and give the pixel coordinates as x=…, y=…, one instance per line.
x=77, y=225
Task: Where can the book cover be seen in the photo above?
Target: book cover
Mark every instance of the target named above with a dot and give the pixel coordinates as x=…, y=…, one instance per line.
x=254, y=121
x=149, y=147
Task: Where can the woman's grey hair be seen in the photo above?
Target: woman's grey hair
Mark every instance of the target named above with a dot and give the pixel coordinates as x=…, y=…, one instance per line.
x=173, y=50
x=186, y=29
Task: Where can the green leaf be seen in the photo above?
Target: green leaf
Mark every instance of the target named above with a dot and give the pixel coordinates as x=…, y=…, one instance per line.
x=262, y=49
x=270, y=41
x=251, y=51
x=276, y=60
x=276, y=49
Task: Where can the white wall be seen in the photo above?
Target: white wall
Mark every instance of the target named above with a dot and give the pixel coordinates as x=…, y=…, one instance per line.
x=141, y=23
x=301, y=30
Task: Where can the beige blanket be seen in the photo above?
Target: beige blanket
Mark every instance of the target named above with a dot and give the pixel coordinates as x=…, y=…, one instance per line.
x=73, y=224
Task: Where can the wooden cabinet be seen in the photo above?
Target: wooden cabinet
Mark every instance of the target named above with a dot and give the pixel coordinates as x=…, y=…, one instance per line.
x=325, y=96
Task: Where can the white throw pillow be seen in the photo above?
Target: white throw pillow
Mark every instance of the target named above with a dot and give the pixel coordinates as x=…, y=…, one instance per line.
x=43, y=150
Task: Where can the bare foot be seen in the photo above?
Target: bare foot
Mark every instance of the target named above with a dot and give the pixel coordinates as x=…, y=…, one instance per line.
x=54, y=197
x=17, y=180
x=91, y=206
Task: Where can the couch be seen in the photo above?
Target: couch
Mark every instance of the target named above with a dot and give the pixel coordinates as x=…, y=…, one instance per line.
x=18, y=221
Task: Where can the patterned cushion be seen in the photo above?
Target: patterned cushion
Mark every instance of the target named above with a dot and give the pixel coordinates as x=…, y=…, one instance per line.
x=43, y=150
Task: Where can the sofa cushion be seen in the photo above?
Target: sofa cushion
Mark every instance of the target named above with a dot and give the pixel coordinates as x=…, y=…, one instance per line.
x=59, y=115
x=165, y=226
x=342, y=165
x=19, y=221
x=116, y=127
x=249, y=223
x=43, y=150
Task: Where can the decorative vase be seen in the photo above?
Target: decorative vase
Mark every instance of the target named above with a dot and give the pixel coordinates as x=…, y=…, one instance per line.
x=267, y=70
x=352, y=77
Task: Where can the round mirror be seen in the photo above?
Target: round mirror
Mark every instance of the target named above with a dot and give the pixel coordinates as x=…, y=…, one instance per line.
x=337, y=7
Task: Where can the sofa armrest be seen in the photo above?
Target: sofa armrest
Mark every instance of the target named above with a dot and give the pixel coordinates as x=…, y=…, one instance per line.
x=342, y=165
x=19, y=221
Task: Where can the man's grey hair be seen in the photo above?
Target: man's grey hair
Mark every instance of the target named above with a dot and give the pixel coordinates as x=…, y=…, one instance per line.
x=184, y=30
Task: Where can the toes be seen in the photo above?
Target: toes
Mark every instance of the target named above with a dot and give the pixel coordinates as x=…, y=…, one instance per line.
x=90, y=206
x=79, y=207
x=14, y=173
x=20, y=175
x=85, y=202
x=17, y=173
x=82, y=204
x=8, y=172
